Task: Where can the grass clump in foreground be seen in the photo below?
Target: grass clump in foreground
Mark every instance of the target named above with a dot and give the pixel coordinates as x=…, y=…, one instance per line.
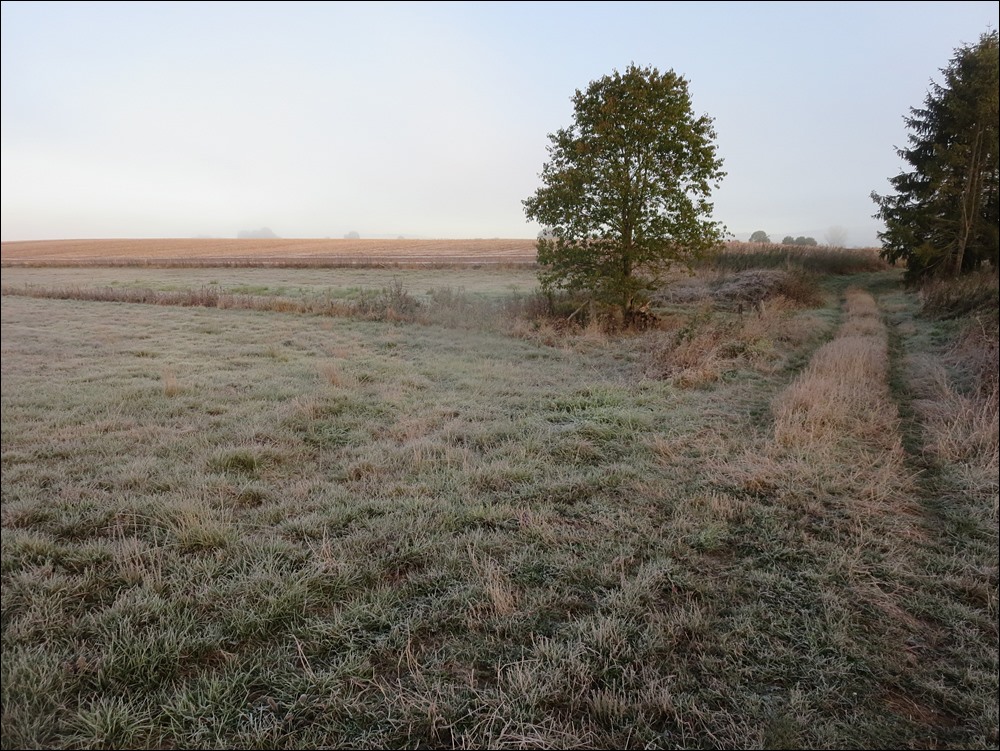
x=970, y=294
x=336, y=532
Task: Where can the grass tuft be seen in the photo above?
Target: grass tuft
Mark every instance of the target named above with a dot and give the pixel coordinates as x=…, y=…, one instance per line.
x=171, y=387
x=968, y=294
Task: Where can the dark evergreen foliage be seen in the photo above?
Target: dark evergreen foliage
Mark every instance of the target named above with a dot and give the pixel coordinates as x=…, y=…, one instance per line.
x=942, y=219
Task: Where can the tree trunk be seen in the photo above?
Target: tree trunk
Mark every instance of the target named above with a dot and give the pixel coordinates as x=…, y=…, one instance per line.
x=970, y=202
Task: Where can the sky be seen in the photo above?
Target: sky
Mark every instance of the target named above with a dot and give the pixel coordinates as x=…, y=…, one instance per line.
x=431, y=120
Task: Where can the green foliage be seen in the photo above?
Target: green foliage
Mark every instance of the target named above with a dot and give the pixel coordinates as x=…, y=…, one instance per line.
x=943, y=217
x=626, y=189
x=760, y=236
x=800, y=240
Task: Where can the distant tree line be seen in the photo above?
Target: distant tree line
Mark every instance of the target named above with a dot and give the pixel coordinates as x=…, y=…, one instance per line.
x=264, y=233
x=800, y=240
x=760, y=236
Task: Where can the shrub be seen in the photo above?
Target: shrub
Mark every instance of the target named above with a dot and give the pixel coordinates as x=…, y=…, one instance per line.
x=392, y=303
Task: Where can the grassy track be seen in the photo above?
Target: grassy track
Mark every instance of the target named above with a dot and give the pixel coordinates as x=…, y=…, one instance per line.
x=249, y=529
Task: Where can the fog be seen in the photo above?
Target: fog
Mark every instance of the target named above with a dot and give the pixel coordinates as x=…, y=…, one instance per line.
x=431, y=119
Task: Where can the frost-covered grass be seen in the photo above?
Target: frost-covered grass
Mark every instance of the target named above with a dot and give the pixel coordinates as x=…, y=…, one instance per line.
x=229, y=527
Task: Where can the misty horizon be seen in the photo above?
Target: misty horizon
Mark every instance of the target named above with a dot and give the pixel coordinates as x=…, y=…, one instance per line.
x=432, y=121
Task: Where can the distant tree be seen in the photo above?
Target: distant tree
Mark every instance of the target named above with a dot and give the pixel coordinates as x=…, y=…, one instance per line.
x=626, y=189
x=943, y=217
x=352, y=235
x=836, y=237
x=800, y=240
x=264, y=233
x=760, y=236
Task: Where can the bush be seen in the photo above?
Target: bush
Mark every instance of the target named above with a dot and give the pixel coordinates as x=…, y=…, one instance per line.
x=392, y=303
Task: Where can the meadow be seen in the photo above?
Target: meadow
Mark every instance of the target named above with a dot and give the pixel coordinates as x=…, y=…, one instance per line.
x=370, y=508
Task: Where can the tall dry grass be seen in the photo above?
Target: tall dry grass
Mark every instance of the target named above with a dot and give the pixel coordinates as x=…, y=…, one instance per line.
x=740, y=256
x=958, y=403
x=969, y=294
x=957, y=388
x=701, y=346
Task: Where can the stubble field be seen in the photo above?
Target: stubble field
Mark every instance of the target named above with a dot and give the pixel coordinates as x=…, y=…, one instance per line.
x=276, y=252
x=373, y=508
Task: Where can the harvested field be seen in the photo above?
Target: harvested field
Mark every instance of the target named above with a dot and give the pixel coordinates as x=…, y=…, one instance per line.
x=299, y=252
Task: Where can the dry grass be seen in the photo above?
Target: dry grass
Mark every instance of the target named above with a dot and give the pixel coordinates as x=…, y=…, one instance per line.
x=823, y=259
x=835, y=453
x=332, y=374
x=353, y=533
x=171, y=387
x=393, y=302
x=956, y=399
x=969, y=294
x=700, y=346
x=832, y=472
x=839, y=414
x=962, y=428
x=737, y=256
x=741, y=291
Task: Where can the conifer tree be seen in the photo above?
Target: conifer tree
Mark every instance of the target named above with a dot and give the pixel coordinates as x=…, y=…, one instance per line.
x=943, y=217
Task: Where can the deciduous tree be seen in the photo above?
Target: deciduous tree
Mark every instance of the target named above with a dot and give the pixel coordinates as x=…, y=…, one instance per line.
x=626, y=188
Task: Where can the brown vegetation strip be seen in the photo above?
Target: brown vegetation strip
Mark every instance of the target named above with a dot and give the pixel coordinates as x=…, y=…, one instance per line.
x=303, y=252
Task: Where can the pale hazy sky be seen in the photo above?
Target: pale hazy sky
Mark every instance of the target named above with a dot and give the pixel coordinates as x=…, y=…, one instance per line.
x=431, y=119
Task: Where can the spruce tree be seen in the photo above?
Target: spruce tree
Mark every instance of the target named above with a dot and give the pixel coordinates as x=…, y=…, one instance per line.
x=943, y=218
